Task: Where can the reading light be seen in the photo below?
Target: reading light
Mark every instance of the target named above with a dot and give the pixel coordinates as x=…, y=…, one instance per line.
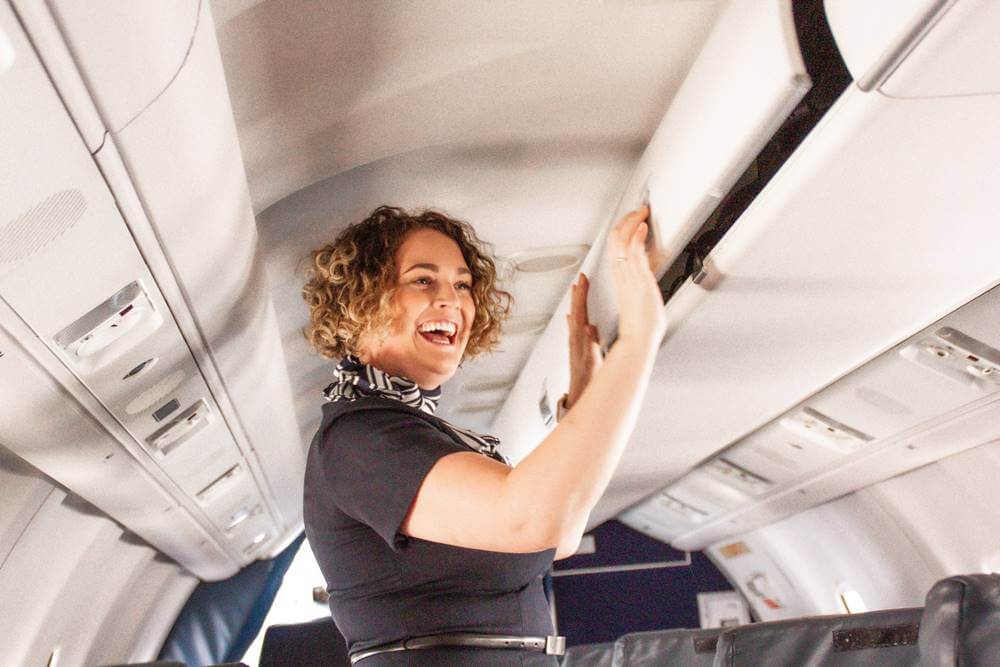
x=549, y=258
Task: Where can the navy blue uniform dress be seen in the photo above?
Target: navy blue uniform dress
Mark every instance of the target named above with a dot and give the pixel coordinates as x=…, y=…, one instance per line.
x=365, y=465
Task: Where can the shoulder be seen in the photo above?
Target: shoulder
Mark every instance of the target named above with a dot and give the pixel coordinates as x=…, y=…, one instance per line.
x=372, y=410
x=378, y=418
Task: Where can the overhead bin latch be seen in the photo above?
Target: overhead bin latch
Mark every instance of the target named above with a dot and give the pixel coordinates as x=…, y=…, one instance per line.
x=545, y=406
x=706, y=274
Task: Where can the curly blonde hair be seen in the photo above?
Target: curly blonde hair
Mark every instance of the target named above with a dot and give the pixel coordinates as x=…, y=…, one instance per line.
x=351, y=282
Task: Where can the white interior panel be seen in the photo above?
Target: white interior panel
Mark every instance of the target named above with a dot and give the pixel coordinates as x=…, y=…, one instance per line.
x=772, y=594
x=102, y=467
x=153, y=628
x=729, y=105
x=747, y=78
x=948, y=510
x=128, y=52
x=228, y=298
x=23, y=491
x=853, y=544
x=137, y=597
x=960, y=56
x=41, y=26
x=86, y=608
x=878, y=225
x=51, y=604
x=810, y=468
x=849, y=232
x=66, y=255
x=873, y=36
x=888, y=542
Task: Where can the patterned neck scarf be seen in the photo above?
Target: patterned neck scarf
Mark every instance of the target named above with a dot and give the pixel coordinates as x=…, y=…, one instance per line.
x=354, y=380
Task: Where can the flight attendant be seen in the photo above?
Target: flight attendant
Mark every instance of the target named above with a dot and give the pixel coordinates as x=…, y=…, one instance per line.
x=433, y=546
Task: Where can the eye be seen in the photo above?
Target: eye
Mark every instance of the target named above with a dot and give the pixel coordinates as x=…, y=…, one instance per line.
x=466, y=286
x=423, y=281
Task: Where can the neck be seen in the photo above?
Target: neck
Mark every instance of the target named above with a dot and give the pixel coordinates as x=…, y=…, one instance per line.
x=425, y=381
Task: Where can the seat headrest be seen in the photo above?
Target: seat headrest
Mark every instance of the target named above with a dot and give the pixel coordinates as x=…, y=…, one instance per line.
x=961, y=621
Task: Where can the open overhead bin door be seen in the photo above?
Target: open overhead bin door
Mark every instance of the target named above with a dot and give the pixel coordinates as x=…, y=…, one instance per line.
x=745, y=82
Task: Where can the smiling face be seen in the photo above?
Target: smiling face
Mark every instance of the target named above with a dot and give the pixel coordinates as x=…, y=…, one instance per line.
x=433, y=312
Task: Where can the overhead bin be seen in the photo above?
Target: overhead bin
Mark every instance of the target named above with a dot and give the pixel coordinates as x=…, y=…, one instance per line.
x=132, y=421
x=861, y=241
x=746, y=80
x=913, y=404
x=195, y=225
x=873, y=37
x=957, y=57
x=919, y=48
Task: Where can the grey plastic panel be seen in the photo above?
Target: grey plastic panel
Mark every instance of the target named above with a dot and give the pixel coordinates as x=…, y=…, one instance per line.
x=884, y=638
x=667, y=647
x=961, y=622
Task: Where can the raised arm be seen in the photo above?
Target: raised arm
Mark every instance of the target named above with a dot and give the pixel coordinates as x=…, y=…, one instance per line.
x=544, y=502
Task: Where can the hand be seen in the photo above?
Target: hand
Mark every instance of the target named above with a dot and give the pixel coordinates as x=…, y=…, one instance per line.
x=640, y=304
x=584, y=345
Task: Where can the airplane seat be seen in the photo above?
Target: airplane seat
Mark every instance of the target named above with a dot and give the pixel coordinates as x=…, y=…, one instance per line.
x=961, y=622
x=588, y=655
x=317, y=642
x=667, y=647
x=886, y=638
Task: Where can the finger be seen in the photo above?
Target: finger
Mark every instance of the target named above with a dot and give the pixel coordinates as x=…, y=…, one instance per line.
x=637, y=247
x=627, y=227
x=583, y=290
x=575, y=299
x=640, y=213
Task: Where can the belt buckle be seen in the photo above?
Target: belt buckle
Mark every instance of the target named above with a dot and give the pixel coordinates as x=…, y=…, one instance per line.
x=555, y=645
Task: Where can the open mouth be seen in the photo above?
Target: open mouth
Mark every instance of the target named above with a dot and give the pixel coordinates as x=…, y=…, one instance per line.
x=439, y=334
x=438, y=338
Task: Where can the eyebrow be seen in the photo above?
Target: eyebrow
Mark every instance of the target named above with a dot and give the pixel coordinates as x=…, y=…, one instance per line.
x=432, y=267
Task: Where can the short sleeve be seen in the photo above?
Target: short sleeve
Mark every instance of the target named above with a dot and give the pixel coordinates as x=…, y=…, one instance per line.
x=374, y=462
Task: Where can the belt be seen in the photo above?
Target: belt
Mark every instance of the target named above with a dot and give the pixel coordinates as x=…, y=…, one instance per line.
x=550, y=645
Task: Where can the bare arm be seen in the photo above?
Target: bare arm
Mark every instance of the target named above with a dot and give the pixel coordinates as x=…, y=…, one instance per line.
x=544, y=502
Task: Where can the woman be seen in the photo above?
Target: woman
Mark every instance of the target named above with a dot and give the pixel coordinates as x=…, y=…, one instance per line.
x=422, y=529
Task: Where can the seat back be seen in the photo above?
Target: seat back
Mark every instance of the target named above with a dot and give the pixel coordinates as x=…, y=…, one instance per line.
x=667, y=647
x=588, y=655
x=885, y=638
x=318, y=642
x=961, y=622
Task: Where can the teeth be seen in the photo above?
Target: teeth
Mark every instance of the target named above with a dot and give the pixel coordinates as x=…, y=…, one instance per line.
x=445, y=327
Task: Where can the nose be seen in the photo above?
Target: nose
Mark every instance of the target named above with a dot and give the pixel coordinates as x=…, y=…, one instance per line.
x=446, y=295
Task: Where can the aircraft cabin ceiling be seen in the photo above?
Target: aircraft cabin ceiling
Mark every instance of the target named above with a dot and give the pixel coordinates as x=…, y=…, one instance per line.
x=524, y=118
x=821, y=186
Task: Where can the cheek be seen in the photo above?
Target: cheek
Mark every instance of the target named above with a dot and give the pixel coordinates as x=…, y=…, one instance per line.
x=470, y=311
x=400, y=313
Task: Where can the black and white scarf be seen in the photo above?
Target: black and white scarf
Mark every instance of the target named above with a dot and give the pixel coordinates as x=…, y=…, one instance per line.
x=356, y=380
